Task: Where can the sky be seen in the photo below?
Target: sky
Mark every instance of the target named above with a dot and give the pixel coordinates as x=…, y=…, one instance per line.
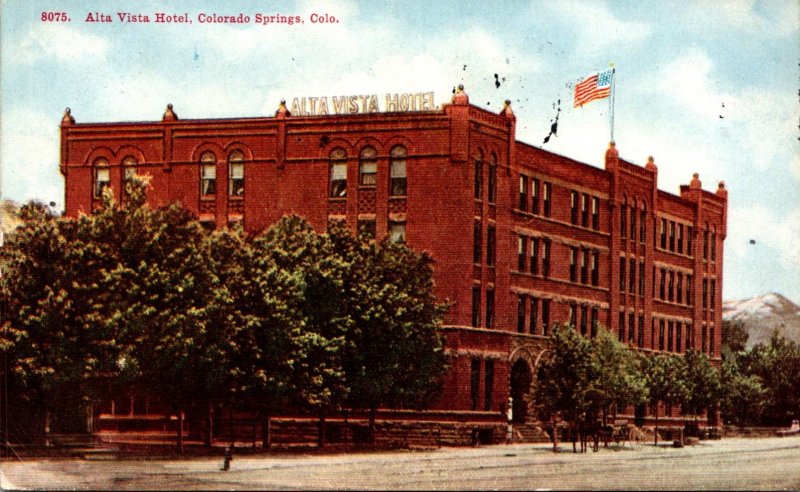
x=711, y=87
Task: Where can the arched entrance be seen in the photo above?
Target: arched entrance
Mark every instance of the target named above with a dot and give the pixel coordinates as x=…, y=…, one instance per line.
x=521, y=379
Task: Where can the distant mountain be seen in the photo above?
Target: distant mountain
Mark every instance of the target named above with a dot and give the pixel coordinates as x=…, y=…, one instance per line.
x=764, y=314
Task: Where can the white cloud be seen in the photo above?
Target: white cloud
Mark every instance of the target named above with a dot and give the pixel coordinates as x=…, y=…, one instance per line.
x=775, y=19
x=29, y=156
x=779, y=232
x=58, y=41
x=688, y=80
x=596, y=28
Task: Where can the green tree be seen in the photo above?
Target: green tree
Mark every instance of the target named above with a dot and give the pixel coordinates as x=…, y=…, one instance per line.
x=53, y=332
x=395, y=352
x=703, y=384
x=666, y=381
x=743, y=397
x=564, y=379
x=616, y=379
x=777, y=365
x=734, y=336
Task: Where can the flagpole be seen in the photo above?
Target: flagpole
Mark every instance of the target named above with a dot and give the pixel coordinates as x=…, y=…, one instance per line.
x=611, y=99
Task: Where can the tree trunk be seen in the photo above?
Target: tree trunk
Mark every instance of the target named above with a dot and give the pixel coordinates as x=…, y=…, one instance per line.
x=372, y=412
x=321, y=431
x=266, y=432
x=180, y=431
x=555, y=435
x=656, y=432
x=210, y=425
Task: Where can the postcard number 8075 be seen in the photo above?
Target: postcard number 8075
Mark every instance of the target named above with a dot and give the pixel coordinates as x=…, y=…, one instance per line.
x=54, y=17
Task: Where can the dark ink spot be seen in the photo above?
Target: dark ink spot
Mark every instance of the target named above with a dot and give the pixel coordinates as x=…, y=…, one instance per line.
x=497, y=81
x=323, y=141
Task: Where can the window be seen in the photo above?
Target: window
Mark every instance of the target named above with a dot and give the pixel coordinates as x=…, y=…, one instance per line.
x=641, y=277
x=535, y=196
x=585, y=210
x=663, y=233
x=573, y=264
x=653, y=333
x=678, y=336
x=670, y=292
x=595, y=213
x=534, y=314
x=488, y=384
x=671, y=235
x=523, y=192
x=640, y=339
x=475, y=381
x=662, y=287
x=129, y=168
x=705, y=293
x=546, y=258
x=661, y=334
x=704, y=339
x=669, y=336
x=573, y=314
x=680, y=238
x=584, y=267
x=102, y=177
x=534, y=255
x=621, y=333
x=711, y=342
x=477, y=239
x=397, y=232
x=397, y=179
x=522, y=304
x=338, y=160
x=593, y=324
x=366, y=228
x=478, y=176
x=546, y=191
x=489, y=308
x=476, y=306
x=642, y=224
x=631, y=328
x=689, y=336
x=573, y=203
x=679, y=289
x=632, y=276
x=622, y=275
x=595, y=268
x=522, y=252
x=713, y=244
x=689, y=299
x=208, y=174
x=633, y=222
x=490, y=245
x=689, y=236
x=492, y=179
x=368, y=167
x=623, y=220
x=705, y=243
x=545, y=316
x=584, y=319
x=236, y=173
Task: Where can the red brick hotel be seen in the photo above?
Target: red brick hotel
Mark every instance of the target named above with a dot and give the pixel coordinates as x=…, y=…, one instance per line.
x=522, y=238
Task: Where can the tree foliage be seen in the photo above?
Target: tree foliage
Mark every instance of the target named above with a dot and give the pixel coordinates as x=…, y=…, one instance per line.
x=135, y=296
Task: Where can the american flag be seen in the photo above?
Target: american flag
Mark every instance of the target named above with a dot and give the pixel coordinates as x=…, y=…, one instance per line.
x=595, y=86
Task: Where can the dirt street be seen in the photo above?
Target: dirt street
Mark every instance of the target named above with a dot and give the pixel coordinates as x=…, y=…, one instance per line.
x=728, y=464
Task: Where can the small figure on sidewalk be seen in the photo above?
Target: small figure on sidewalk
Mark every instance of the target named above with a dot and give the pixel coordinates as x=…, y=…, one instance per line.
x=510, y=417
x=226, y=465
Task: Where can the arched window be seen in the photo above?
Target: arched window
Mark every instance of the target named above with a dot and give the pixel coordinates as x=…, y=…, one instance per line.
x=208, y=174
x=102, y=176
x=368, y=167
x=129, y=167
x=492, y=191
x=338, y=159
x=478, y=175
x=397, y=164
x=643, y=223
x=236, y=173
